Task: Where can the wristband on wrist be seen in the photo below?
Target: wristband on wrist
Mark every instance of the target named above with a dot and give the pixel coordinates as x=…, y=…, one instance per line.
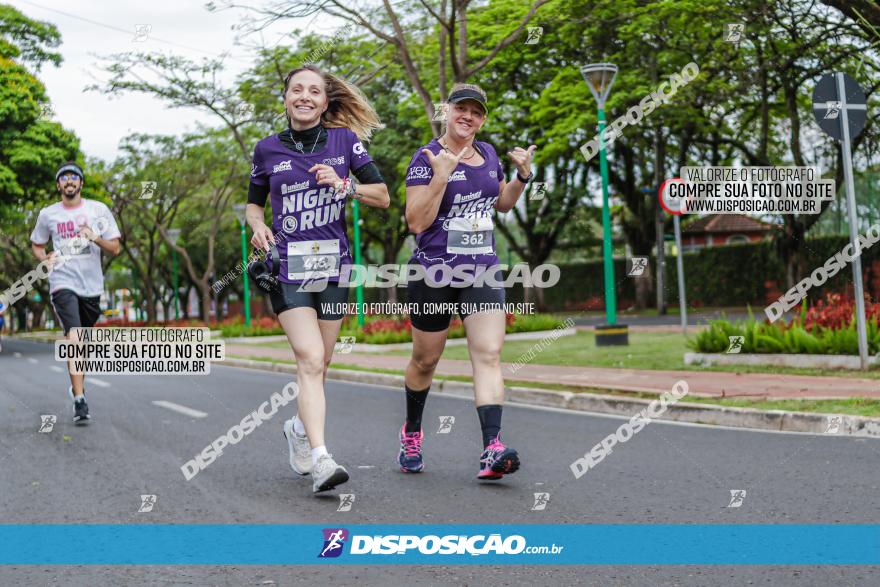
x=524, y=179
x=346, y=188
x=351, y=189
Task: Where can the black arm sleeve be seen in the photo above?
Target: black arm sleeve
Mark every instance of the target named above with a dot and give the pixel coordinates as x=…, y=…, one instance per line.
x=368, y=173
x=257, y=194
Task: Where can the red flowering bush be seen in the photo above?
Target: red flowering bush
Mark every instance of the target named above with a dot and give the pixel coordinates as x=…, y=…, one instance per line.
x=387, y=325
x=141, y=323
x=836, y=311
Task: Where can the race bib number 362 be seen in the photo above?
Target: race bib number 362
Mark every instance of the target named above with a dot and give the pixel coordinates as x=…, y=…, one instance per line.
x=470, y=236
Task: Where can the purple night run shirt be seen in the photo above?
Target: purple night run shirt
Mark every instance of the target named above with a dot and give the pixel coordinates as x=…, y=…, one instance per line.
x=307, y=219
x=463, y=230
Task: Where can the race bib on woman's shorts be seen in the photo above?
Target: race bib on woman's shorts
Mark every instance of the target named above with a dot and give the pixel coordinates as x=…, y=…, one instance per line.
x=313, y=259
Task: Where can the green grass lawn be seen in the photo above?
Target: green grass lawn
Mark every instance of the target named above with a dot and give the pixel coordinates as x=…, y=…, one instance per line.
x=646, y=350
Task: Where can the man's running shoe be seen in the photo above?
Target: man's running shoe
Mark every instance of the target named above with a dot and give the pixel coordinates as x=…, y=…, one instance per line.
x=326, y=474
x=300, y=451
x=497, y=460
x=80, y=408
x=410, y=457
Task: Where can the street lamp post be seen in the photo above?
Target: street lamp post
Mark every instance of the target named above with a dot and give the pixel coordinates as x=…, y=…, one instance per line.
x=239, y=212
x=600, y=78
x=173, y=235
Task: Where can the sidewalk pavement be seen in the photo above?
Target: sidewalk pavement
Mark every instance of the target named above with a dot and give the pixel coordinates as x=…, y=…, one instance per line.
x=700, y=383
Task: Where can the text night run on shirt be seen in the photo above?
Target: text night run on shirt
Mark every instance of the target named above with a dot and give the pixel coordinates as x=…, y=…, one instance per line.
x=468, y=204
x=319, y=207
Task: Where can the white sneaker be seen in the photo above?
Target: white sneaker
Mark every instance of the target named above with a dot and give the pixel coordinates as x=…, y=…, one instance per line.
x=326, y=474
x=300, y=451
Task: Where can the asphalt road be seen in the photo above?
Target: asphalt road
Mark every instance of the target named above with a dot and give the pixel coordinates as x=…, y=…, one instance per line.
x=668, y=473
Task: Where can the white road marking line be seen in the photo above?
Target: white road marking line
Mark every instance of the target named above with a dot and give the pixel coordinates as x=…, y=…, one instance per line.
x=98, y=382
x=179, y=409
x=32, y=360
x=366, y=467
x=57, y=369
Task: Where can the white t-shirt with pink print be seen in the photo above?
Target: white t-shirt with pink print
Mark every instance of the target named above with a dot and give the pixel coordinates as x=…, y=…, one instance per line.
x=81, y=272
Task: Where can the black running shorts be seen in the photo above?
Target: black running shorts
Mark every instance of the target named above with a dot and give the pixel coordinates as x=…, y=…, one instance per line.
x=328, y=303
x=74, y=311
x=426, y=300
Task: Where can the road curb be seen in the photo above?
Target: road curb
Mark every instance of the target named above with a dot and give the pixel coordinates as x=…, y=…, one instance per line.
x=780, y=360
x=750, y=418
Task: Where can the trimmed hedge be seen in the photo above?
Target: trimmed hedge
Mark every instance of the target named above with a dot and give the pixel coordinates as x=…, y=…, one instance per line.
x=730, y=275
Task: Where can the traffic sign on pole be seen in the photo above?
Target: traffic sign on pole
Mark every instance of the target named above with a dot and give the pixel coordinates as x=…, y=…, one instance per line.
x=833, y=103
x=674, y=206
x=840, y=108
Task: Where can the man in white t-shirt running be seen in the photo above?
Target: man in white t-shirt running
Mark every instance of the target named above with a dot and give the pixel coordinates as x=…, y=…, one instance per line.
x=80, y=229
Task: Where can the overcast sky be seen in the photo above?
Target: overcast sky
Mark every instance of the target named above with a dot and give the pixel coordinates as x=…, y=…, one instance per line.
x=184, y=27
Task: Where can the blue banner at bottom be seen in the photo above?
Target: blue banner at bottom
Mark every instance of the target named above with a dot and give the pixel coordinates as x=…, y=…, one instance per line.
x=446, y=544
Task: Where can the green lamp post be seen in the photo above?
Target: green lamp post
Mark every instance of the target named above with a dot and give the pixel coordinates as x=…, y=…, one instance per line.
x=600, y=78
x=359, y=292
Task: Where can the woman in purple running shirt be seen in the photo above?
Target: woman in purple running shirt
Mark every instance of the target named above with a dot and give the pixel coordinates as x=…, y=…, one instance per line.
x=306, y=171
x=454, y=185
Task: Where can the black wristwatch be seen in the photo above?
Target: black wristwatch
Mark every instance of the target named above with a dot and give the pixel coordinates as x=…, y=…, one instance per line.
x=526, y=179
